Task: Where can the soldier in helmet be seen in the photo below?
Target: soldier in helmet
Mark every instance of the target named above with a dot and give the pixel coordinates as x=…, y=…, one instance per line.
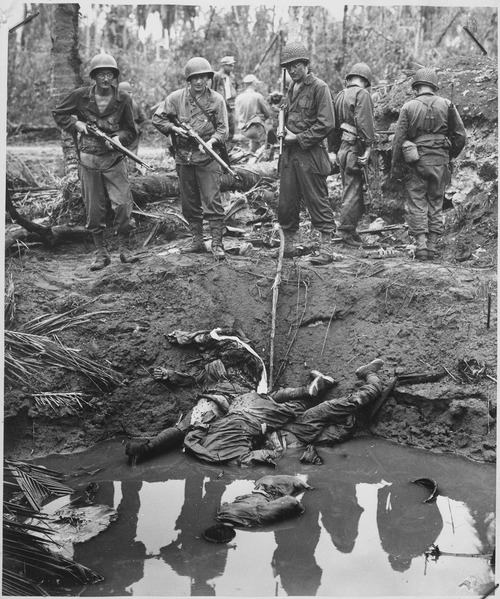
x=351, y=142
x=140, y=118
x=224, y=82
x=204, y=110
x=429, y=132
x=252, y=111
x=102, y=169
x=305, y=165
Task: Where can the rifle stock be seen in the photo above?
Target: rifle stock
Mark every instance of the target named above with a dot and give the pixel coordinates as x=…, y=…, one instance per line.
x=367, y=192
x=174, y=119
x=126, y=152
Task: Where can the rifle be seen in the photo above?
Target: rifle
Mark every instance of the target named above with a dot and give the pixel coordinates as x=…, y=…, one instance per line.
x=98, y=133
x=367, y=192
x=280, y=133
x=174, y=119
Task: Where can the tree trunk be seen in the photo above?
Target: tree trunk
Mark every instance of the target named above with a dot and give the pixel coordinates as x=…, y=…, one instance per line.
x=65, y=67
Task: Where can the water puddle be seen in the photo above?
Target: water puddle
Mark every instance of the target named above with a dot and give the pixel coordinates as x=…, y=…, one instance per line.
x=364, y=533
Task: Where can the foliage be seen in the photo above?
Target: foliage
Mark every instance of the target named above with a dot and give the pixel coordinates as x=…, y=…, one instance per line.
x=28, y=564
x=391, y=39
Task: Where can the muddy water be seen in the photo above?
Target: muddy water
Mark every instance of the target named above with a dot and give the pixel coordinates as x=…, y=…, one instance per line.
x=364, y=532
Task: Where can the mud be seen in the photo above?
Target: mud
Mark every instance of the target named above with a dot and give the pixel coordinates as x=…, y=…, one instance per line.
x=418, y=317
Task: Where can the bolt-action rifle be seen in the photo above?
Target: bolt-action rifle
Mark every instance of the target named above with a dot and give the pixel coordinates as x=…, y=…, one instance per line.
x=125, y=151
x=174, y=119
x=280, y=133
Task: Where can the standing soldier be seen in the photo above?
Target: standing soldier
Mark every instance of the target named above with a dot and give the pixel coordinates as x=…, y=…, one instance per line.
x=102, y=169
x=429, y=132
x=305, y=165
x=252, y=111
x=352, y=140
x=224, y=82
x=140, y=118
x=204, y=110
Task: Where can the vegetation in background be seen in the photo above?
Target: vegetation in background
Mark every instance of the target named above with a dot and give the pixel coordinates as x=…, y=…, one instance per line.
x=390, y=38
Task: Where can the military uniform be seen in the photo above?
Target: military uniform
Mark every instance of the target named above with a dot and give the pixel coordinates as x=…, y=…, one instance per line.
x=252, y=111
x=225, y=84
x=199, y=174
x=434, y=125
x=354, y=132
x=102, y=171
x=305, y=164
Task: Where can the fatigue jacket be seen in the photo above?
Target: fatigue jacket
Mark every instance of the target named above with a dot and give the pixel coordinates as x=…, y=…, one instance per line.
x=354, y=108
x=117, y=119
x=227, y=87
x=434, y=125
x=181, y=103
x=310, y=113
x=251, y=108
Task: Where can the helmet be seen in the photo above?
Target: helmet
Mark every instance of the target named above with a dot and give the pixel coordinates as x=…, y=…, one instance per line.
x=125, y=86
x=197, y=66
x=361, y=69
x=249, y=79
x=103, y=61
x=227, y=60
x=425, y=77
x=292, y=52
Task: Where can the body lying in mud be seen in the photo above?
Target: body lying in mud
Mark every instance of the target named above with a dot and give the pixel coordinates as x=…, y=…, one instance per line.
x=240, y=431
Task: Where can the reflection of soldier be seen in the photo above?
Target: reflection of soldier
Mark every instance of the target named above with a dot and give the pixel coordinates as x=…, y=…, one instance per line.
x=407, y=526
x=293, y=559
x=340, y=514
x=126, y=562
x=189, y=555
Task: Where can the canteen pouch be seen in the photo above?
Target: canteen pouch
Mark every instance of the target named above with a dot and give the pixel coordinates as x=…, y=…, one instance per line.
x=410, y=152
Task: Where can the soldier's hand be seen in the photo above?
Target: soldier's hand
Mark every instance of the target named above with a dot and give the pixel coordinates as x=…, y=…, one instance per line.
x=116, y=139
x=289, y=138
x=179, y=131
x=81, y=127
x=363, y=159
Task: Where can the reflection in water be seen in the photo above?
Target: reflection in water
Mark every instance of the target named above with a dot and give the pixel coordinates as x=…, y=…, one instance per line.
x=362, y=515
x=407, y=526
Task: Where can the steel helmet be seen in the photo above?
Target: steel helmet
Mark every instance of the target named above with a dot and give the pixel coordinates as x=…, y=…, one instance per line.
x=249, y=78
x=292, y=52
x=197, y=66
x=361, y=69
x=125, y=86
x=227, y=60
x=103, y=61
x=425, y=77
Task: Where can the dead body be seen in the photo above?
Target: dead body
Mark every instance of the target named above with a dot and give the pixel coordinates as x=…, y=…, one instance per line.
x=237, y=436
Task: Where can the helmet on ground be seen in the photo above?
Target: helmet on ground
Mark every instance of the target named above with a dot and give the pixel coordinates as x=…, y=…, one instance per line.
x=125, y=86
x=249, y=79
x=197, y=66
x=103, y=61
x=292, y=52
x=361, y=69
x=227, y=60
x=425, y=77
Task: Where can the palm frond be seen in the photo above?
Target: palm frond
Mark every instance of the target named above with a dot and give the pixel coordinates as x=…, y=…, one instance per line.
x=52, y=324
x=9, y=302
x=60, y=400
x=17, y=585
x=27, y=354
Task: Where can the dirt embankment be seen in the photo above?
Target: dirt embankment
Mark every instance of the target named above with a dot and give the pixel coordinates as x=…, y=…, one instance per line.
x=418, y=317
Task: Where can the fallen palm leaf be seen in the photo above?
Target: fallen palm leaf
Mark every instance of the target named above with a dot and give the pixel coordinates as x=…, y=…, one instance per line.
x=52, y=324
x=10, y=302
x=54, y=400
x=26, y=355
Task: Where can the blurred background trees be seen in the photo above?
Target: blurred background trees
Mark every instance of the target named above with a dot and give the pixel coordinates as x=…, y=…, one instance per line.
x=153, y=42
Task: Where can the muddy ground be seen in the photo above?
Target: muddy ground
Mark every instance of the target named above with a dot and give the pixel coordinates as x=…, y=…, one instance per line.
x=420, y=317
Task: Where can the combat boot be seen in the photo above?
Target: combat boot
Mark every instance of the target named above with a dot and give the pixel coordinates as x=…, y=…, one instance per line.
x=289, y=250
x=371, y=368
x=431, y=245
x=421, y=253
x=102, y=258
x=216, y=231
x=197, y=245
x=351, y=238
x=125, y=249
